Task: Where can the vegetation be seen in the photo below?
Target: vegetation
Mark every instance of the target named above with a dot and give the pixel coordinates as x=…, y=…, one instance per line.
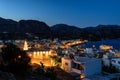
x=11, y=29
x=56, y=60
x=14, y=59
x=44, y=73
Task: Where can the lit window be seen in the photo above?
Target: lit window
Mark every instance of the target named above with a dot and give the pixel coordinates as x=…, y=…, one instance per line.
x=19, y=56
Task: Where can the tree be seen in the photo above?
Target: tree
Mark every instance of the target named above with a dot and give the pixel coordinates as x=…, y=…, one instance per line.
x=16, y=59
x=50, y=72
x=55, y=60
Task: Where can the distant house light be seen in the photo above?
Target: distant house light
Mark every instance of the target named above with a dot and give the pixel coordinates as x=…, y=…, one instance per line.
x=82, y=76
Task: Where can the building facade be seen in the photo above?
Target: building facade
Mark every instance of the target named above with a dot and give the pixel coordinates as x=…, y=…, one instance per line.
x=82, y=65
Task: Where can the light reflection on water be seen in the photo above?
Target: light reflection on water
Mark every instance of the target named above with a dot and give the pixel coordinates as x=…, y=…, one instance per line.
x=114, y=43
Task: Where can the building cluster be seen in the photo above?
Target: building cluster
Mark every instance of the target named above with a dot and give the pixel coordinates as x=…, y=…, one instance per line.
x=75, y=57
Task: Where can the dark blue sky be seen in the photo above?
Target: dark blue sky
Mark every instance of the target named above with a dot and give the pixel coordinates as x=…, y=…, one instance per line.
x=81, y=13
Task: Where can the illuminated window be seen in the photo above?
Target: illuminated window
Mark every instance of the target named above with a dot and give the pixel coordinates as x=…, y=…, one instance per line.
x=43, y=51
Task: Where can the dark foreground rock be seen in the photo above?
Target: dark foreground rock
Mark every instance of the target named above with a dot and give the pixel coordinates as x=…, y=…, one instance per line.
x=6, y=76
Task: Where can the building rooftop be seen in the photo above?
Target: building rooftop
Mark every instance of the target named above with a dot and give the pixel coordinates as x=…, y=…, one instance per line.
x=85, y=59
x=81, y=59
x=38, y=49
x=115, y=58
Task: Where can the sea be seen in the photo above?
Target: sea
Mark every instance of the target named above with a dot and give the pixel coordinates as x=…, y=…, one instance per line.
x=115, y=43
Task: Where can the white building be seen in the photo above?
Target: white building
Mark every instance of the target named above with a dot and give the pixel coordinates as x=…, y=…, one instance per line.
x=82, y=65
x=38, y=55
x=89, y=51
x=106, y=60
x=116, y=62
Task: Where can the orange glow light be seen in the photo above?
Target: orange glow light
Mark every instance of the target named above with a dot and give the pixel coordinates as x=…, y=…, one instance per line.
x=82, y=76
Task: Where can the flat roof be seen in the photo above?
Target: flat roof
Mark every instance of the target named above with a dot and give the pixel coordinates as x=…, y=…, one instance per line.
x=86, y=59
x=78, y=59
x=116, y=59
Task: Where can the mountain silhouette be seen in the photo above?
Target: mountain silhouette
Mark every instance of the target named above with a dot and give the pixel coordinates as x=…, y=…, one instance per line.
x=30, y=29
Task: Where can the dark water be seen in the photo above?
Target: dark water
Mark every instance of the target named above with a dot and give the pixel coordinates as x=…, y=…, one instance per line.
x=114, y=43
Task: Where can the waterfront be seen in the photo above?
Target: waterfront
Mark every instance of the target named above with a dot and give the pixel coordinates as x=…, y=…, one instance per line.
x=115, y=43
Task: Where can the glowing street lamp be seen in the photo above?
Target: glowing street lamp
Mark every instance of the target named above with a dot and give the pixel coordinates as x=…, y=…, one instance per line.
x=19, y=56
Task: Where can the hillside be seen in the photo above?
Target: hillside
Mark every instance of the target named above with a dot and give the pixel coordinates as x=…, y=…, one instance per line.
x=31, y=29
x=99, y=32
x=10, y=29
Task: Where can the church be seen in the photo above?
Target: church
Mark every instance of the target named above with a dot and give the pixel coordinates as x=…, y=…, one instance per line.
x=38, y=55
